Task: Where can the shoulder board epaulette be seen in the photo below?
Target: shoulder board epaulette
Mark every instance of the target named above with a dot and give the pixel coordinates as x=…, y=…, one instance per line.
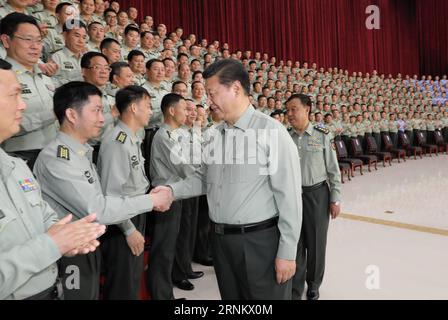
x=63, y=153
x=122, y=136
x=322, y=129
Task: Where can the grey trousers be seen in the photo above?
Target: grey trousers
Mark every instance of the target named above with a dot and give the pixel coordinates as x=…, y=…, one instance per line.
x=310, y=262
x=245, y=266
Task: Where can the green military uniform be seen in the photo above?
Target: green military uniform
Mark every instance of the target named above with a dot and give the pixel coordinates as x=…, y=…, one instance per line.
x=109, y=121
x=247, y=190
x=54, y=41
x=167, y=164
x=70, y=184
x=318, y=163
x=6, y=9
x=157, y=95
x=410, y=123
x=393, y=132
x=122, y=173
x=125, y=52
x=345, y=135
x=190, y=139
x=92, y=46
x=150, y=54
x=38, y=126
x=139, y=79
x=69, y=67
x=46, y=17
x=28, y=256
x=376, y=132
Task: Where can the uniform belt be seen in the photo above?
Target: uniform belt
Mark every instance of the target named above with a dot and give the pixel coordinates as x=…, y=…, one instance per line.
x=223, y=229
x=314, y=187
x=55, y=292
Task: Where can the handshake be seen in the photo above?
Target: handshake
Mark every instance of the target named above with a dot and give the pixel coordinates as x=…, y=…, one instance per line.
x=162, y=198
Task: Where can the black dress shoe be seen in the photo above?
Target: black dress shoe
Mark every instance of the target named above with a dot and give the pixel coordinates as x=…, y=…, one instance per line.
x=184, y=285
x=195, y=275
x=206, y=262
x=312, y=295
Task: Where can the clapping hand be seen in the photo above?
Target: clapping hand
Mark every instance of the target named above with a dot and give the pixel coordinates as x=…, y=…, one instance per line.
x=162, y=198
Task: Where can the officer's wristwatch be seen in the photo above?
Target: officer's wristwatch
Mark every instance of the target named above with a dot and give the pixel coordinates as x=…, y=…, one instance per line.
x=337, y=203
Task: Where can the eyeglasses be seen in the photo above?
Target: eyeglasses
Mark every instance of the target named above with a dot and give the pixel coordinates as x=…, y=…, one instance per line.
x=29, y=40
x=100, y=68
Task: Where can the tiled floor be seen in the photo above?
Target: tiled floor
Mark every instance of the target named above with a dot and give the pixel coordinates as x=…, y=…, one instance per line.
x=375, y=259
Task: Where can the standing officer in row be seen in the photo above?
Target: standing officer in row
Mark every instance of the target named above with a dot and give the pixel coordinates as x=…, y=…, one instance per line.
x=70, y=182
x=31, y=238
x=122, y=173
x=321, y=194
x=167, y=165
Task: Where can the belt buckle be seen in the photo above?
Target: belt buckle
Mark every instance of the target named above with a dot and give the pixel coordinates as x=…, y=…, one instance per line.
x=219, y=229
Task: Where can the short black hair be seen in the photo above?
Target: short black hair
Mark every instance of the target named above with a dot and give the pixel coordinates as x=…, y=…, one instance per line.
x=170, y=100
x=130, y=28
x=228, y=71
x=116, y=69
x=135, y=53
x=61, y=6
x=108, y=10
x=86, y=58
x=71, y=24
x=92, y=24
x=128, y=95
x=304, y=99
x=12, y=21
x=177, y=83
x=5, y=65
x=105, y=44
x=74, y=95
x=152, y=61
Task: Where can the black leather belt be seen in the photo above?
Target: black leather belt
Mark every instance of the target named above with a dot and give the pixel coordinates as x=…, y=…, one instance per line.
x=55, y=292
x=224, y=229
x=314, y=187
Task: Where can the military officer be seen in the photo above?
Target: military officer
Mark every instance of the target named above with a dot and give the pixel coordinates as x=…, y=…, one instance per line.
x=376, y=131
x=191, y=146
x=125, y=176
x=136, y=60
x=69, y=58
x=321, y=187
x=167, y=164
x=96, y=71
x=96, y=36
x=155, y=71
x=22, y=39
x=28, y=225
x=70, y=182
x=393, y=130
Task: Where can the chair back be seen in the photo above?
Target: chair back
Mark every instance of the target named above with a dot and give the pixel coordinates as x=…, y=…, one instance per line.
x=371, y=145
x=341, y=149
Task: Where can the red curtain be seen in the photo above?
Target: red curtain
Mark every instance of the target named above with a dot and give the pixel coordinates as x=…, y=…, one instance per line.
x=412, y=37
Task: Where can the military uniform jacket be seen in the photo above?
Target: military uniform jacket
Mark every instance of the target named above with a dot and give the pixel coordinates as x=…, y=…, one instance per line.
x=70, y=184
x=69, y=67
x=121, y=167
x=27, y=255
x=157, y=95
x=318, y=160
x=38, y=126
x=168, y=163
x=253, y=185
